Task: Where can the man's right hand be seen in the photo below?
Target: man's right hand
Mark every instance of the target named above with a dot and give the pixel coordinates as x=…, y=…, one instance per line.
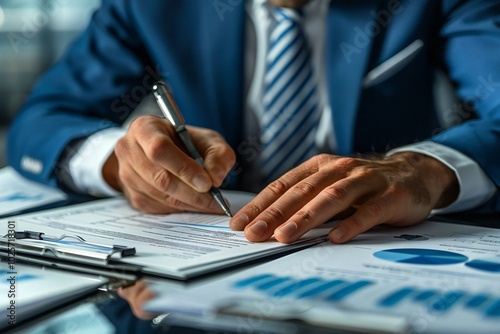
x=151, y=167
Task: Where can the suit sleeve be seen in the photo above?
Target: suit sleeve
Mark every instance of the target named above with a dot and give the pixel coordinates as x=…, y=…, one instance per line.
x=95, y=86
x=471, y=37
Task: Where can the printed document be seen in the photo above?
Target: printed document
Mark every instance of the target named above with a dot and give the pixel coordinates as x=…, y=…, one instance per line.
x=18, y=193
x=175, y=245
x=442, y=278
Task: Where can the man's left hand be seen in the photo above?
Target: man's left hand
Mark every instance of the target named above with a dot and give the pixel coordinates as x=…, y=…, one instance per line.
x=398, y=190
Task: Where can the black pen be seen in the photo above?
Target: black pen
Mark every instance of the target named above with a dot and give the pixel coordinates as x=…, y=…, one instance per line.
x=172, y=113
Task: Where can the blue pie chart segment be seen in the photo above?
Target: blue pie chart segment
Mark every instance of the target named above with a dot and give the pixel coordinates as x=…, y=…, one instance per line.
x=421, y=256
x=491, y=264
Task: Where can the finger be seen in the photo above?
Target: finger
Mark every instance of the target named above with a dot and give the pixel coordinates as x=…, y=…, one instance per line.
x=145, y=197
x=368, y=215
x=264, y=225
x=156, y=141
x=269, y=195
x=159, y=183
x=219, y=157
x=331, y=201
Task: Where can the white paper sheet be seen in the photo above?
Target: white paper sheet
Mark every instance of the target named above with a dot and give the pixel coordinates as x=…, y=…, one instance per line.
x=18, y=193
x=176, y=245
x=442, y=278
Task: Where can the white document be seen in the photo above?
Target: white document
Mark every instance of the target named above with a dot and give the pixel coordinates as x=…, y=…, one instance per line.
x=441, y=278
x=18, y=193
x=28, y=291
x=175, y=245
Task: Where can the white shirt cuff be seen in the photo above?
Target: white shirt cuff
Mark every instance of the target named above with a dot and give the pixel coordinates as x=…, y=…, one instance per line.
x=86, y=164
x=475, y=186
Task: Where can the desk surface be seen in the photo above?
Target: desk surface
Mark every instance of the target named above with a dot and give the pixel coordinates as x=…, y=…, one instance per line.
x=108, y=313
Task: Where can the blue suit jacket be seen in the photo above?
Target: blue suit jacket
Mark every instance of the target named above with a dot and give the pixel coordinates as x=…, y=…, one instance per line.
x=198, y=47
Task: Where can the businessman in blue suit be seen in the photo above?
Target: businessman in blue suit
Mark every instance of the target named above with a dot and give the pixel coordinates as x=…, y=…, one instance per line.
x=371, y=68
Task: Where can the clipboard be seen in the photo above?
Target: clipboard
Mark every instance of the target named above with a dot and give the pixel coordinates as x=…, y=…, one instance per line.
x=71, y=248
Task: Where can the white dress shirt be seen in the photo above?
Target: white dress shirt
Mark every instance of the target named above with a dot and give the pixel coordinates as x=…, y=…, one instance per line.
x=475, y=187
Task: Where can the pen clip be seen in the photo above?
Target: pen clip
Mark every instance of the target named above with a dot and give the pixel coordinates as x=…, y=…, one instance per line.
x=168, y=106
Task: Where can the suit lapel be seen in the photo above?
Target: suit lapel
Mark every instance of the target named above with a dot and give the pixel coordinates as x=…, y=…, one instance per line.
x=349, y=40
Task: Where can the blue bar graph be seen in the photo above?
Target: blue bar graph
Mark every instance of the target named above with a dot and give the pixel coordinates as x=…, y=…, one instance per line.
x=395, y=297
x=310, y=287
x=440, y=302
x=445, y=301
x=346, y=291
x=272, y=283
x=493, y=310
x=319, y=289
x=476, y=301
x=425, y=295
x=336, y=290
x=292, y=288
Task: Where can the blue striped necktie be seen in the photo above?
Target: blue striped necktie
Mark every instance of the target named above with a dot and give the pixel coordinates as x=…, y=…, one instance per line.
x=291, y=102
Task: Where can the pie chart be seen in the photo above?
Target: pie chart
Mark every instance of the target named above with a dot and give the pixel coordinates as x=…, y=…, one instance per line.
x=489, y=264
x=421, y=256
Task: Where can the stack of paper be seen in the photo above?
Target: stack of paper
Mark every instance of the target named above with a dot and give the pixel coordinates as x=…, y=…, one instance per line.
x=176, y=245
x=18, y=193
x=441, y=278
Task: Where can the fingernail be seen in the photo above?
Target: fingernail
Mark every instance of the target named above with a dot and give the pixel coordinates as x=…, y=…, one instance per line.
x=201, y=182
x=337, y=234
x=287, y=230
x=239, y=222
x=258, y=229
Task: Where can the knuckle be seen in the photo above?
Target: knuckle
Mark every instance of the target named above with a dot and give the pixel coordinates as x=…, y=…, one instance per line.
x=183, y=171
x=275, y=214
x=335, y=194
x=323, y=157
x=162, y=180
x=175, y=203
x=305, y=189
x=206, y=132
x=229, y=155
x=136, y=124
x=155, y=150
x=306, y=216
x=347, y=162
x=121, y=148
x=374, y=209
x=277, y=187
x=253, y=209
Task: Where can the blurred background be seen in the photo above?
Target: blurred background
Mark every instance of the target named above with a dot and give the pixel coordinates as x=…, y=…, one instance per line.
x=33, y=35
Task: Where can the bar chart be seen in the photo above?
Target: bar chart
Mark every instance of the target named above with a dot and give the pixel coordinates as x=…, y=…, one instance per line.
x=435, y=301
x=311, y=287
